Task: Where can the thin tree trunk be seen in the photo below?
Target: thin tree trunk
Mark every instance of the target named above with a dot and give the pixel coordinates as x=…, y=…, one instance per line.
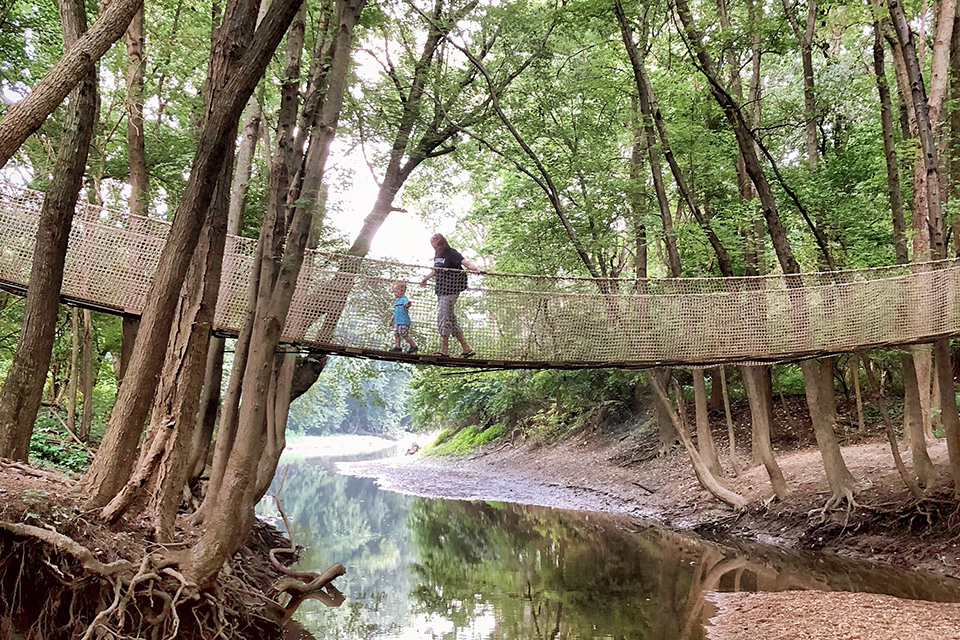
x=668, y=435
x=731, y=436
x=86, y=419
x=705, y=442
x=74, y=377
x=894, y=190
x=136, y=152
x=913, y=423
x=23, y=387
x=128, y=337
x=948, y=409
x=891, y=436
x=855, y=378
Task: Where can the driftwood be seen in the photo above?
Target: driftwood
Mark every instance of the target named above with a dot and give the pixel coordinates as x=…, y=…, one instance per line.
x=70, y=547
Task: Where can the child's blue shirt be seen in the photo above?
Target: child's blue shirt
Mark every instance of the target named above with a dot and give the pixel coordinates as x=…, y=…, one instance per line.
x=400, y=313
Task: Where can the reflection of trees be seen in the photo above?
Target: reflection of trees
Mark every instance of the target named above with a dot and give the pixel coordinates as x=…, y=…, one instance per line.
x=512, y=572
x=348, y=520
x=538, y=573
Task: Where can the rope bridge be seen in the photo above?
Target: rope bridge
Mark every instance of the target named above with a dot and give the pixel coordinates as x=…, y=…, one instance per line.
x=343, y=304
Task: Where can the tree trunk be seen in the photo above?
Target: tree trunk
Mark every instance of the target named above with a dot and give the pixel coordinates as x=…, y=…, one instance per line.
x=230, y=89
x=805, y=40
x=707, y=480
x=731, y=436
x=894, y=190
x=668, y=434
x=87, y=379
x=24, y=117
x=925, y=124
x=828, y=393
x=74, y=377
x=23, y=387
x=213, y=374
x=842, y=483
x=129, y=329
x=948, y=409
x=913, y=422
x=230, y=517
x=954, y=129
x=136, y=153
x=756, y=382
x=705, y=442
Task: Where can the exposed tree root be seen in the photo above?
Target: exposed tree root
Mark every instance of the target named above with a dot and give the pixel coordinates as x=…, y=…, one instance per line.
x=64, y=591
x=847, y=500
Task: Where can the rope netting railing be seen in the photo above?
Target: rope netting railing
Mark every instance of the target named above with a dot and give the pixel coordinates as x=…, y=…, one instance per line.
x=344, y=304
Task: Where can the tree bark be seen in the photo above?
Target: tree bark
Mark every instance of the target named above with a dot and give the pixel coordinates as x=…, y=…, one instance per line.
x=230, y=92
x=26, y=116
x=948, y=408
x=913, y=422
x=23, y=387
x=805, y=40
x=894, y=190
x=841, y=481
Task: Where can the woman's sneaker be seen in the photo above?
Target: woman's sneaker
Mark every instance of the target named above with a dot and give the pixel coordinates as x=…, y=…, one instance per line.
x=413, y=349
x=396, y=350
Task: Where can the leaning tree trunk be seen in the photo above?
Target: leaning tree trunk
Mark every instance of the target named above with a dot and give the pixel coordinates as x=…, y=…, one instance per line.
x=230, y=91
x=23, y=387
x=707, y=480
x=26, y=116
x=948, y=407
x=839, y=477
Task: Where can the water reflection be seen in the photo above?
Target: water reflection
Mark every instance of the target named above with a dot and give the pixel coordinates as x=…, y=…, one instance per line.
x=427, y=568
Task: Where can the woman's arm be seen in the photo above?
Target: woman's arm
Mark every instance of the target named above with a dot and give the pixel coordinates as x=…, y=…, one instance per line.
x=471, y=266
x=427, y=277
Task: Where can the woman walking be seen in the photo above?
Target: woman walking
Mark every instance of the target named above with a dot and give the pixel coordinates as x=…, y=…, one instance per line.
x=451, y=279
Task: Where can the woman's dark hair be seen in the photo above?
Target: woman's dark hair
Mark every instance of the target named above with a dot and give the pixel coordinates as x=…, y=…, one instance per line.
x=439, y=243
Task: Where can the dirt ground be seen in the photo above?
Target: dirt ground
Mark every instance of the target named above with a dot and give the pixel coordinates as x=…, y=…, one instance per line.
x=620, y=472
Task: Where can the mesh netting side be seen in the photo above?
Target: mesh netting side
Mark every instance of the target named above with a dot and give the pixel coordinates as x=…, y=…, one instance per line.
x=346, y=302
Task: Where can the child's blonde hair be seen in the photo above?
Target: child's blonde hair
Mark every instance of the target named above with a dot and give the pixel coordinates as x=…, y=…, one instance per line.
x=400, y=284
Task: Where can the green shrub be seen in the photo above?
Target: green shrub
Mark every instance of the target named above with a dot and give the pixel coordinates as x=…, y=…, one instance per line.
x=49, y=443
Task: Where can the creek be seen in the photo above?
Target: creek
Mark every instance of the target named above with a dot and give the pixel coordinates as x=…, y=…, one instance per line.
x=431, y=568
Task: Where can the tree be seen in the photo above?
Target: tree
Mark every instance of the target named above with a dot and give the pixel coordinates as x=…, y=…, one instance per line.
x=22, y=389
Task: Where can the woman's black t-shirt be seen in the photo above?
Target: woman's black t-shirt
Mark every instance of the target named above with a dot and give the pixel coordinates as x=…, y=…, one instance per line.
x=450, y=276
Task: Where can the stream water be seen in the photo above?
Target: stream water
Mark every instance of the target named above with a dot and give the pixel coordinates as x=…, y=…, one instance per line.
x=429, y=568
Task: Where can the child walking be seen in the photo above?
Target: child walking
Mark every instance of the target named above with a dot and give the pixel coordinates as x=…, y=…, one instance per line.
x=401, y=318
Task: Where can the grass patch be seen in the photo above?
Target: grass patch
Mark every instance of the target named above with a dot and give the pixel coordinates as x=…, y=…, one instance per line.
x=464, y=441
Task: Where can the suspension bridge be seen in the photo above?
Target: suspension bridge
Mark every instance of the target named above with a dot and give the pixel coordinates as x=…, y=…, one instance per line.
x=343, y=304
